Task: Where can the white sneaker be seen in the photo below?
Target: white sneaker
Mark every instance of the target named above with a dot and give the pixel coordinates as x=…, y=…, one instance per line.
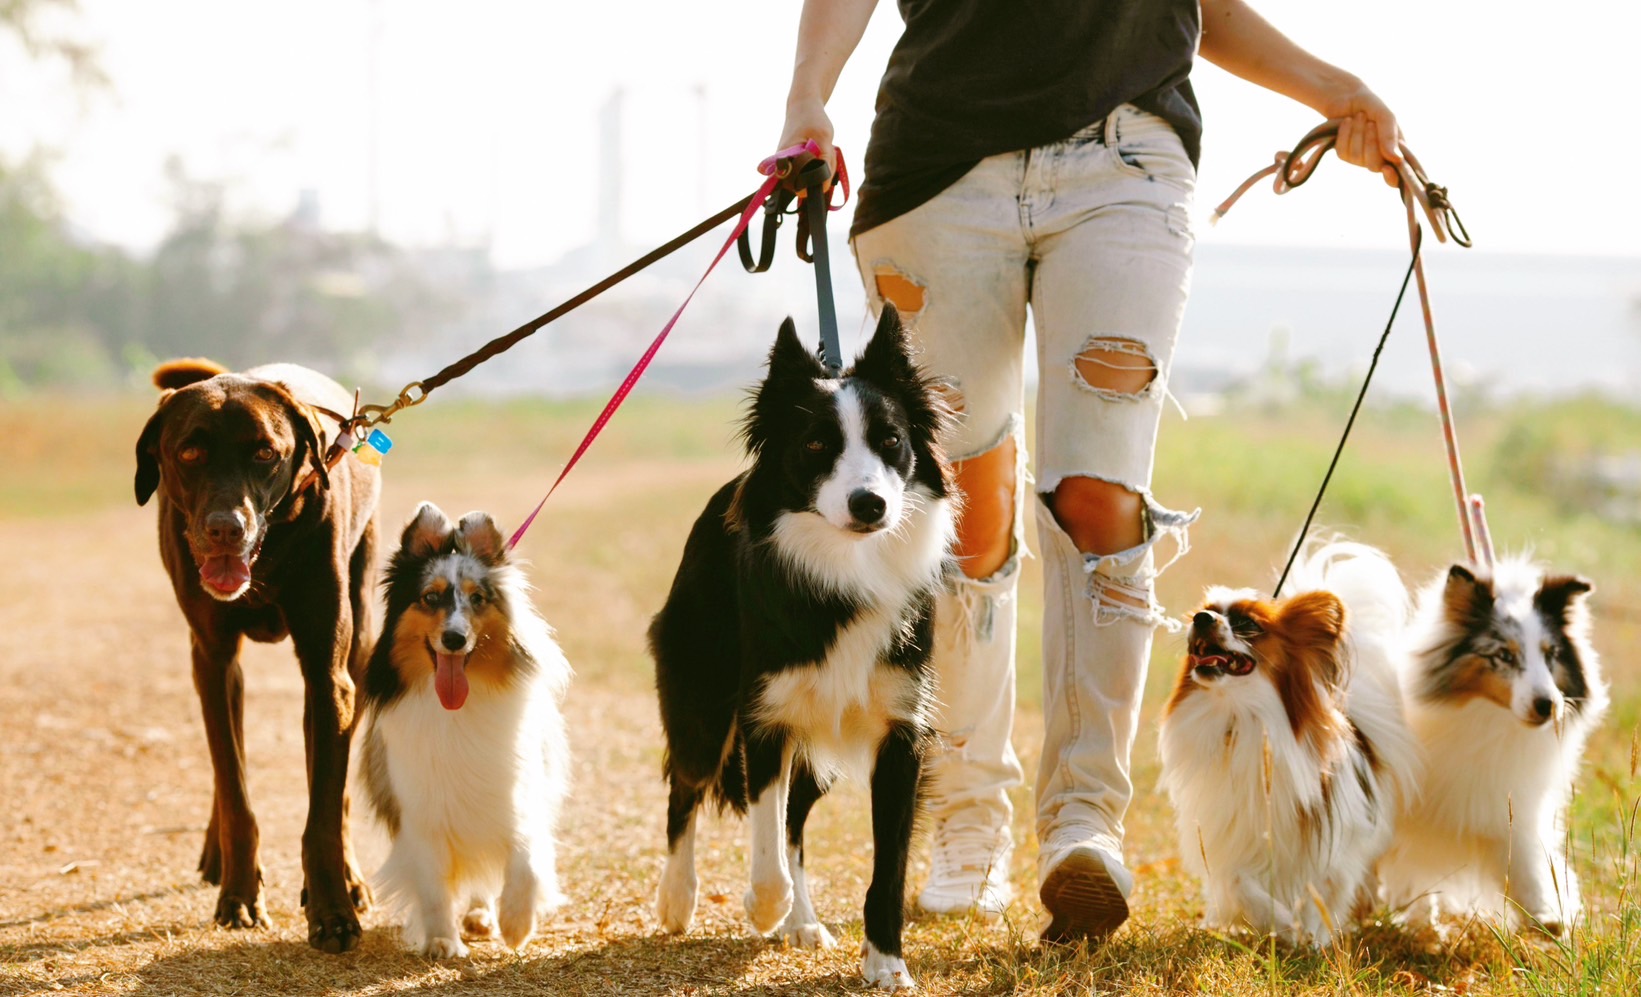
x=970, y=871
x=1085, y=890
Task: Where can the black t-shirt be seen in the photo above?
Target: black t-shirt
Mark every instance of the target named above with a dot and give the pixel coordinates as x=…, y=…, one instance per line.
x=973, y=78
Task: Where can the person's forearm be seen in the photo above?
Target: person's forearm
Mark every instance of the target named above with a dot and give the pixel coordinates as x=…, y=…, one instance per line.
x=1236, y=39
x=828, y=31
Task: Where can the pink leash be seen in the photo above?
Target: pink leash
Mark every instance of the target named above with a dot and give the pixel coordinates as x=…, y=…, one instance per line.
x=771, y=169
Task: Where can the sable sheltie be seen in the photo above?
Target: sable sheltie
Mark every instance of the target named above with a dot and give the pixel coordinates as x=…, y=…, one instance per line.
x=1502, y=690
x=465, y=762
x=794, y=645
x=1284, y=747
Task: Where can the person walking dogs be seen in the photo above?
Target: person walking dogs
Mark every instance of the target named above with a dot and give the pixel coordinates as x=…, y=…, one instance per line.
x=1042, y=153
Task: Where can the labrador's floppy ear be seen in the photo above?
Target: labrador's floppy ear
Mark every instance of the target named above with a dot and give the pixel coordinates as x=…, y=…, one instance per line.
x=148, y=456
x=310, y=435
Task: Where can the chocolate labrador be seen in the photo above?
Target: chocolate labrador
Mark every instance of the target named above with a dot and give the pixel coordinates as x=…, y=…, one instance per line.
x=256, y=550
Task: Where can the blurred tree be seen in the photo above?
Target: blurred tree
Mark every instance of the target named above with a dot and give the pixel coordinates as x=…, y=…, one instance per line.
x=40, y=26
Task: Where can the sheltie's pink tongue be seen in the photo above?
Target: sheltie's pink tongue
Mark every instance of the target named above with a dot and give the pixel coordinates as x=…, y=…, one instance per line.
x=450, y=678
x=225, y=573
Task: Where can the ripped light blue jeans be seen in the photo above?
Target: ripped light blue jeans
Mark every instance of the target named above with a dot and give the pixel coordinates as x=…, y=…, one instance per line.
x=1093, y=235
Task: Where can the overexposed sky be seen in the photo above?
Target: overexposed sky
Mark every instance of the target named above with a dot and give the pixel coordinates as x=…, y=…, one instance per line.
x=486, y=119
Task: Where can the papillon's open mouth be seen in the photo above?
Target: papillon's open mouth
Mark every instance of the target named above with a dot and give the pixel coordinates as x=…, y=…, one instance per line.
x=1209, y=662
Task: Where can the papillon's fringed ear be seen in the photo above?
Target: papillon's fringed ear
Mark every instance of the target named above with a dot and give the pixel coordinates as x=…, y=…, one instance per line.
x=1312, y=625
x=148, y=454
x=428, y=531
x=1558, y=593
x=1466, y=599
x=479, y=536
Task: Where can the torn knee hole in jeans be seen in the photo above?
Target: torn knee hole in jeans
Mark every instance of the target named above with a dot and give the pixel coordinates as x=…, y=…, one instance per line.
x=908, y=294
x=1121, y=584
x=1115, y=369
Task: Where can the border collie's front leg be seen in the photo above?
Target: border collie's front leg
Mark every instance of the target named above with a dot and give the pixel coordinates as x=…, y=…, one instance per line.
x=895, y=776
x=768, y=770
x=802, y=927
x=675, y=899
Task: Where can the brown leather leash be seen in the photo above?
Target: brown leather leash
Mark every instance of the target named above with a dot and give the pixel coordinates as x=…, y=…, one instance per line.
x=1291, y=169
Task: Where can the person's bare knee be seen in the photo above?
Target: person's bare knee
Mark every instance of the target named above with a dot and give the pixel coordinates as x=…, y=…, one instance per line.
x=1115, y=367
x=985, y=527
x=1100, y=517
x=902, y=290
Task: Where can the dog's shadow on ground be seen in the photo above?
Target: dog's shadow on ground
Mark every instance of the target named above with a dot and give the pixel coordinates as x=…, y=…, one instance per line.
x=644, y=964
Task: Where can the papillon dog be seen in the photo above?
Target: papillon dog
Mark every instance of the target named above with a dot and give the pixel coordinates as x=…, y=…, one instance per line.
x=1284, y=747
x=466, y=761
x=1502, y=690
x=795, y=643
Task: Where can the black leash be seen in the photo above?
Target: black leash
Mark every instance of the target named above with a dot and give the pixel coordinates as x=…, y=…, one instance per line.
x=1340, y=449
x=812, y=179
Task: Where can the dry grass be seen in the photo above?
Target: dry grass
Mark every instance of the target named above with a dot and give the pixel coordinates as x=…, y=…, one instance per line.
x=106, y=781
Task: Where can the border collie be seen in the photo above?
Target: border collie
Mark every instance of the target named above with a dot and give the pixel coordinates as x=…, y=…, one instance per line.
x=1503, y=689
x=1284, y=747
x=466, y=761
x=794, y=645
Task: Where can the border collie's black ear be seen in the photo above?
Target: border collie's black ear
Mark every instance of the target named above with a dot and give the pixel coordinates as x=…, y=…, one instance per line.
x=148, y=456
x=1557, y=593
x=790, y=358
x=887, y=358
x=427, y=532
x=478, y=533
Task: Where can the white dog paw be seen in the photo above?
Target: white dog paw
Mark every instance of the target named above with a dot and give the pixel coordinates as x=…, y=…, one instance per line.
x=886, y=972
x=478, y=924
x=517, y=926
x=767, y=904
x=810, y=935
x=444, y=948
x=675, y=902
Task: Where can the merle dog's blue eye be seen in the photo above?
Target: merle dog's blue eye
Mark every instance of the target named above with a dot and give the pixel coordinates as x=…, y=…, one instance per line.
x=431, y=598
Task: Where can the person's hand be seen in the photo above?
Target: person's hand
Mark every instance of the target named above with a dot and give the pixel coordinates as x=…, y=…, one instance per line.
x=806, y=119
x=1368, y=134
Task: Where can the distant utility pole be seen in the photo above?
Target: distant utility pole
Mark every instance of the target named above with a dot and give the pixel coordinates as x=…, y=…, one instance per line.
x=373, y=43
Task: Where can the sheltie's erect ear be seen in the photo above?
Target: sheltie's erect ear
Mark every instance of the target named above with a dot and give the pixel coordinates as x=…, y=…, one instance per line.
x=428, y=532
x=479, y=536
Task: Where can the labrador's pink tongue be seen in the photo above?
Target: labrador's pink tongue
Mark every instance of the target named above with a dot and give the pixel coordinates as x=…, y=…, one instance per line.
x=225, y=573
x=451, y=680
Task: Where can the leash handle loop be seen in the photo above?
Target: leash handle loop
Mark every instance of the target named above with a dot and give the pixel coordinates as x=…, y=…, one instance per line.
x=1291, y=169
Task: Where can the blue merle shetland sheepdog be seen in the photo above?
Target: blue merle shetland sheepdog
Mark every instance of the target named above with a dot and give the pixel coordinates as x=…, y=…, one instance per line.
x=794, y=646
x=465, y=761
x=1502, y=691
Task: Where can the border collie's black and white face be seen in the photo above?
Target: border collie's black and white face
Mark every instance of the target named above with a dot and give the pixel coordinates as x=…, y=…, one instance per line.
x=853, y=449
x=1516, y=639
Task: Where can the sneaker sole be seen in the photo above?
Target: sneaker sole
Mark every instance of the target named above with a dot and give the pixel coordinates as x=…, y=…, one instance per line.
x=1085, y=902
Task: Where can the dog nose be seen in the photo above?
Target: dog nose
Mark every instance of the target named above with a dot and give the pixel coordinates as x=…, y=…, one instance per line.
x=453, y=640
x=867, y=506
x=1203, y=620
x=1543, y=706
x=224, y=529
